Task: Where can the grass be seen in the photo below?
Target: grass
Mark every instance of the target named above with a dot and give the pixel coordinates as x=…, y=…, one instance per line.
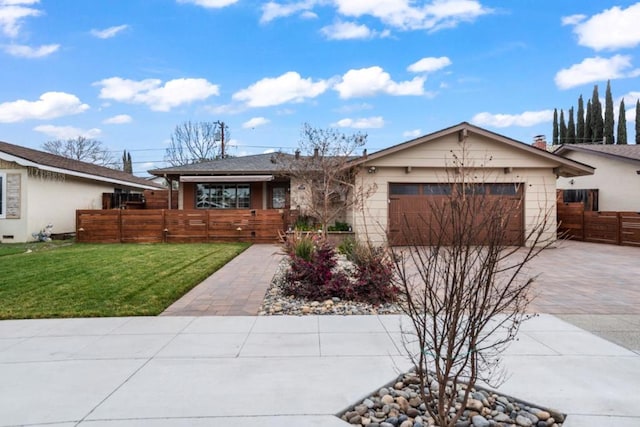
x=89, y=280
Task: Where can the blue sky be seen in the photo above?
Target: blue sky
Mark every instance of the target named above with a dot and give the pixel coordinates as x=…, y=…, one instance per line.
x=126, y=72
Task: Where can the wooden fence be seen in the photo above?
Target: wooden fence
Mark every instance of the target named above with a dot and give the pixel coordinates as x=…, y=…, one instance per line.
x=618, y=228
x=179, y=226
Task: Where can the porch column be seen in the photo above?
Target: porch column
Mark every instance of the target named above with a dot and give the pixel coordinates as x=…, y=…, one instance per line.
x=265, y=195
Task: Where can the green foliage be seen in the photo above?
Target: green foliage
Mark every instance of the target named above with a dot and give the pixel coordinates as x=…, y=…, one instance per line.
x=347, y=246
x=588, y=129
x=340, y=226
x=305, y=223
x=637, y=122
x=301, y=244
x=563, y=128
x=571, y=129
x=92, y=280
x=556, y=132
x=597, y=122
x=580, y=121
x=622, y=124
x=608, y=116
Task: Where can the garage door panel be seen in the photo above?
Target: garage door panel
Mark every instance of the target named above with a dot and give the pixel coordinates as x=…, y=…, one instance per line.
x=425, y=218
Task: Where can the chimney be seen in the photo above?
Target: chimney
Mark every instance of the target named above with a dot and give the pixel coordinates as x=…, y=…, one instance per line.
x=539, y=141
x=315, y=153
x=297, y=154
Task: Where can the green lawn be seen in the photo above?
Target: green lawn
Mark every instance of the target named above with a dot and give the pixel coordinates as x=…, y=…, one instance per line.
x=40, y=280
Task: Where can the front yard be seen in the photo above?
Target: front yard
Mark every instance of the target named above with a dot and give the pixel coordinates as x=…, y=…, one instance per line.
x=87, y=280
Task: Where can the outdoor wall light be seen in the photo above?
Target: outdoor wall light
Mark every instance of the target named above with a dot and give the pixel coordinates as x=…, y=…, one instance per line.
x=372, y=169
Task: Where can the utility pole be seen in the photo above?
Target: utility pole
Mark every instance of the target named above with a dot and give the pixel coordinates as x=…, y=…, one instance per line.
x=222, y=139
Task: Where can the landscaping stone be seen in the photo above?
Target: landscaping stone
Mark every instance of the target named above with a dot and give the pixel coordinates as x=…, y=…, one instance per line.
x=276, y=303
x=400, y=405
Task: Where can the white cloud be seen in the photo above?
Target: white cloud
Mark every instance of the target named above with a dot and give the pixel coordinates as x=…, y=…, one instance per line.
x=630, y=99
x=350, y=30
x=269, y=151
x=67, y=132
x=255, y=122
x=152, y=93
x=573, y=19
x=373, y=80
x=429, y=64
x=272, y=10
x=595, y=70
x=412, y=133
x=107, y=33
x=49, y=106
x=526, y=119
x=25, y=51
x=402, y=14
x=289, y=87
x=363, y=123
x=613, y=28
x=346, y=109
x=210, y=4
x=118, y=120
x=13, y=13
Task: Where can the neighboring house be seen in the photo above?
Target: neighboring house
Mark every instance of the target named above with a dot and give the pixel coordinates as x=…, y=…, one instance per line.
x=615, y=184
x=401, y=176
x=39, y=188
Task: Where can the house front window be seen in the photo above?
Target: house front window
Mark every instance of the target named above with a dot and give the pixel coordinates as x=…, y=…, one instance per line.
x=223, y=196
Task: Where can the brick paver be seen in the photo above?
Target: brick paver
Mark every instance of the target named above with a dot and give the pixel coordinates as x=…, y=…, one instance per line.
x=587, y=278
x=237, y=289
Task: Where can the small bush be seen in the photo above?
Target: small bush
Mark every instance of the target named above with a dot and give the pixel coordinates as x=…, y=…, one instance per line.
x=339, y=226
x=347, y=246
x=317, y=278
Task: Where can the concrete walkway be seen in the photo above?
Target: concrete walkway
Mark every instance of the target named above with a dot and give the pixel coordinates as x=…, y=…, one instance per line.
x=237, y=289
x=273, y=371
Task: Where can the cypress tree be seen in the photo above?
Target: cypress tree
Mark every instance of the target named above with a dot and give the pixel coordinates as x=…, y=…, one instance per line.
x=127, y=165
x=571, y=129
x=608, y=116
x=587, y=137
x=597, y=122
x=580, y=121
x=555, y=126
x=563, y=128
x=638, y=122
x=622, y=124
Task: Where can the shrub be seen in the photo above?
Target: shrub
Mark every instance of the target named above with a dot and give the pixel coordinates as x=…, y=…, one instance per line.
x=347, y=246
x=317, y=278
x=339, y=226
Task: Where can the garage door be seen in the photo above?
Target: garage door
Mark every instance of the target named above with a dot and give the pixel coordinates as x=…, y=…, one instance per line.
x=422, y=213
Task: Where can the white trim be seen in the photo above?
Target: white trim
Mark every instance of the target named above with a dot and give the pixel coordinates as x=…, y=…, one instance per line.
x=3, y=195
x=29, y=163
x=226, y=178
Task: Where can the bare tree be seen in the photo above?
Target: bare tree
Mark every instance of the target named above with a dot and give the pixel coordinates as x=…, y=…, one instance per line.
x=321, y=167
x=195, y=142
x=464, y=287
x=81, y=148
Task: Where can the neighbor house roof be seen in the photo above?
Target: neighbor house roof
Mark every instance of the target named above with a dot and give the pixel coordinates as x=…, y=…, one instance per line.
x=29, y=157
x=255, y=164
x=625, y=153
x=566, y=167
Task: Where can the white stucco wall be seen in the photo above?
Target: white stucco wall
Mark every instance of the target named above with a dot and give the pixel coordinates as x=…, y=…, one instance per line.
x=427, y=163
x=617, y=181
x=45, y=201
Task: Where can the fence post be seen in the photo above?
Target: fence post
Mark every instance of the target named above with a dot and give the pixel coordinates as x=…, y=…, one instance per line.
x=619, y=234
x=120, y=225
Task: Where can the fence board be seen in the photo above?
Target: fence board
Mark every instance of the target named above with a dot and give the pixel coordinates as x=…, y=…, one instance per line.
x=620, y=228
x=629, y=228
x=179, y=226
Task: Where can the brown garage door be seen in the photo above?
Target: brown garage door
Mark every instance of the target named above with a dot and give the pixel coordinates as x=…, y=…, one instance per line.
x=423, y=214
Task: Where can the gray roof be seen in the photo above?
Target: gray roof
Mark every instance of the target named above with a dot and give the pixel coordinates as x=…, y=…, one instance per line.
x=258, y=163
x=622, y=152
x=61, y=164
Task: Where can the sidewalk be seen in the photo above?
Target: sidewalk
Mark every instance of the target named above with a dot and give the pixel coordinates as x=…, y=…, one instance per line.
x=237, y=289
x=273, y=371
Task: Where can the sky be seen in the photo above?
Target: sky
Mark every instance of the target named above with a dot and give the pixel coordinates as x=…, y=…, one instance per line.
x=127, y=72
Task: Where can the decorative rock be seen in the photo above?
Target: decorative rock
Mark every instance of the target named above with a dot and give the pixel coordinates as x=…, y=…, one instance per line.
x=387, y=399
x=406, y=423
x=542, y=415
x=479, y=421
x=368, y=403
x=355, y=419
x=523, y=421
x=474, y=404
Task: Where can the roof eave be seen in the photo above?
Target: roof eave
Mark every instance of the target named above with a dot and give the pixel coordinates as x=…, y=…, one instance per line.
x=28, y=163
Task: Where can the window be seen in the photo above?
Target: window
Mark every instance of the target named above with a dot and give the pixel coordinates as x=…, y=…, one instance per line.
x=3, y=195
x=504, y=189
x=223, y=196
x=279, y=198
x=404, y=189
x=436, y=189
